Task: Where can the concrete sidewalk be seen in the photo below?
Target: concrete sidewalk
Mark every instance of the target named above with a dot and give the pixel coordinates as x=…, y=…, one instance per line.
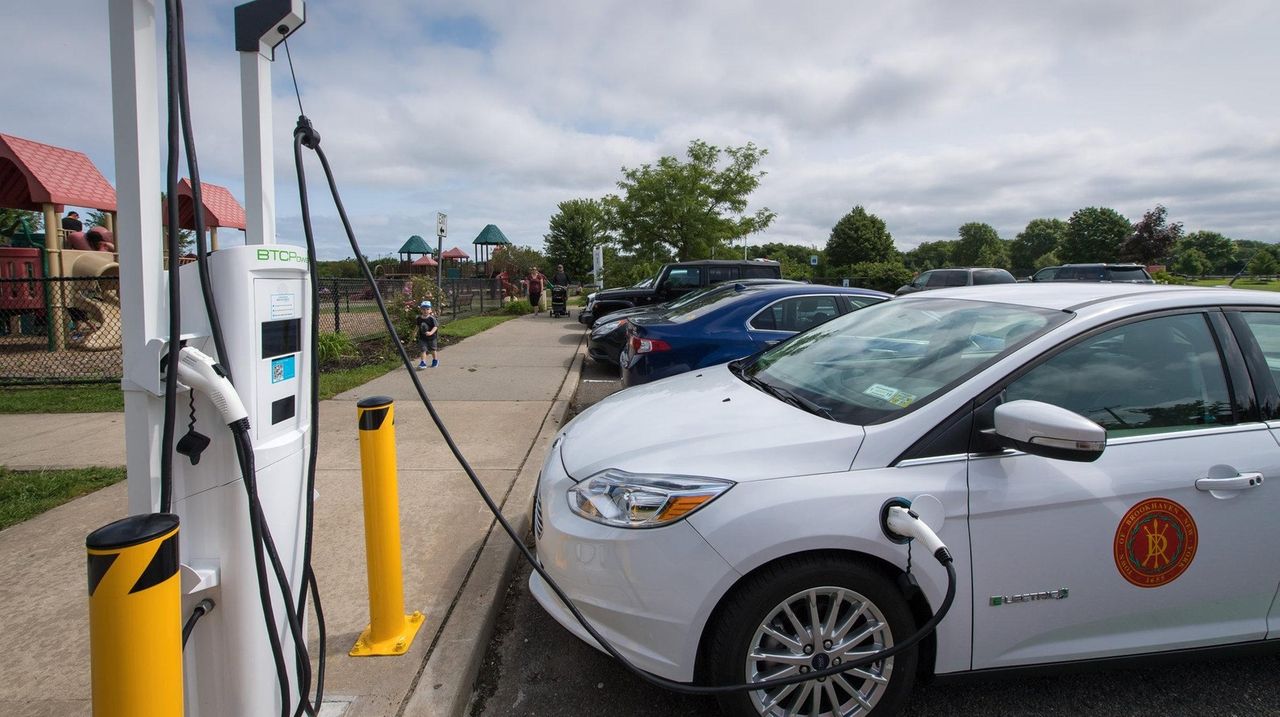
x=503, y=395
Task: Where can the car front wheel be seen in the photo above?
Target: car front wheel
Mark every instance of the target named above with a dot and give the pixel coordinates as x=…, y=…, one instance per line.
x=804, y=615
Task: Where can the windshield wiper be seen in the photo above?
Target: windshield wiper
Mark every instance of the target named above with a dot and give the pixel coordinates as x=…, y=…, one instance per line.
x=787, y=396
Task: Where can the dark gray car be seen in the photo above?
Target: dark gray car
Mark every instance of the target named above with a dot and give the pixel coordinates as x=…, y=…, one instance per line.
x=946, y=278
x=1115, y=273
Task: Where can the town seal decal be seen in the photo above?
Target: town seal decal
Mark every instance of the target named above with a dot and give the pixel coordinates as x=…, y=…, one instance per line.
x=1155, y=543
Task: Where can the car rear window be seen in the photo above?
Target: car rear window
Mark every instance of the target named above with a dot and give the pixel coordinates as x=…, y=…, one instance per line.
x=1127, y=273
x=993, y=276
x=761, y=271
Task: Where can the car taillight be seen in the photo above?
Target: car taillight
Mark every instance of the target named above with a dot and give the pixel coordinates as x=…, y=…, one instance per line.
x=645, y=346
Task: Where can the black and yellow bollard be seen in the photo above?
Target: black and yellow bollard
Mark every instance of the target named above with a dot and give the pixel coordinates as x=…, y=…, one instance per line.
x=135, y=617
x=390, y=630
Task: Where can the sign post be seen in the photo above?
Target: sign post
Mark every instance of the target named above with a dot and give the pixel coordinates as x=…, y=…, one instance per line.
x=442, y=230
x=597, y=266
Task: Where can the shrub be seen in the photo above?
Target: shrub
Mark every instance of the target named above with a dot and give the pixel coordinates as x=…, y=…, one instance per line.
x=1164, y=277
x=519, y=307
x=879, y=275
x=332, y=347
x=404, y=309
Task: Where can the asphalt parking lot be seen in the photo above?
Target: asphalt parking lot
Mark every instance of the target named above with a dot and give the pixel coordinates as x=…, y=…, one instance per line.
x=535, y=667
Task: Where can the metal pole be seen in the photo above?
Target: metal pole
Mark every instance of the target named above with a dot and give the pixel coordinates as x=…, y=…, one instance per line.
x=390, y=630
x=259, y=167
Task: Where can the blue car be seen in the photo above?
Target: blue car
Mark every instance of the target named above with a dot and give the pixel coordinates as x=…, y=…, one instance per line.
x=722, y=327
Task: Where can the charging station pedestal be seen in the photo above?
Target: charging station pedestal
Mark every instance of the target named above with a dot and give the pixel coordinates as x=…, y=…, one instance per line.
x=263, y=294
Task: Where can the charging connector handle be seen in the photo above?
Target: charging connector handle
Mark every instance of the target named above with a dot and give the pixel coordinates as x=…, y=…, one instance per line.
x=906, y=523
x=199, y=371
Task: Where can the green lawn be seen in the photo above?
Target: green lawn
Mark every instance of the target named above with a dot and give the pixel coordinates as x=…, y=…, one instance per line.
x=333, y=383
x=96, y=398
x=1242, y=283
x=472, y=325
x=26, y=494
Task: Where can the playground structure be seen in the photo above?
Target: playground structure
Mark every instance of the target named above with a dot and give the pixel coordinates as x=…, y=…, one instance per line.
x=60, y=289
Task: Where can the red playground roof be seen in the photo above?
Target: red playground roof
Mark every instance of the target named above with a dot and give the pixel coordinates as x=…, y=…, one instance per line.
x=220, y=208
x=455, y=253
x=33, y=174
x=425, y=261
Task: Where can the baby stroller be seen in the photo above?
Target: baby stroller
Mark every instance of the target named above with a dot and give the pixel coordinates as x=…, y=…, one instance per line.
x=559, y=301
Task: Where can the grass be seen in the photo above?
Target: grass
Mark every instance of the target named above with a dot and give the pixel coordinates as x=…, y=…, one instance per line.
x=333, y=383
x=97, y=398
x=1242, y=283
x=472, y=325
x=26, y=494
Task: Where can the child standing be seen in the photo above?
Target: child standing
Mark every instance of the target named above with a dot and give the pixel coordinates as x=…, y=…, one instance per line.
x=427, y=328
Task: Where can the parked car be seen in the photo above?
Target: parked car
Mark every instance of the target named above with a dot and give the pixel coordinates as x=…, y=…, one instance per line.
x=948, y=278
x=609, y=332
x=1100, y=463
x=719, y=327
x=676, y=280
x=1114, y=273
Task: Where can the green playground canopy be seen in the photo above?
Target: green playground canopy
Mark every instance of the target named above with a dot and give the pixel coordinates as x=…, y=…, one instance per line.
x=491, y=235
x=415, y=245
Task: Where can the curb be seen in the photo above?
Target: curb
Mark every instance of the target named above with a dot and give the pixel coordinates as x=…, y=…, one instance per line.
x=444, y=687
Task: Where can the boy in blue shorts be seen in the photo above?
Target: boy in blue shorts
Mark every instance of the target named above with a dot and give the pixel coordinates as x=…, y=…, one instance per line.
x=427, y=328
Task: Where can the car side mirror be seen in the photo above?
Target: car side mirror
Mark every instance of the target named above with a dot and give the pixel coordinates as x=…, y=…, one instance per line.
x=1043, y=429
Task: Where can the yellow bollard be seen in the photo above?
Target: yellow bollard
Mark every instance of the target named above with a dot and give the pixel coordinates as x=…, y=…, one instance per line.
x=390, y=630
x=135, y=617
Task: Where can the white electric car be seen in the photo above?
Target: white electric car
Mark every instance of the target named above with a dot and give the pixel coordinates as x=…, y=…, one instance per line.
x=1098, y=458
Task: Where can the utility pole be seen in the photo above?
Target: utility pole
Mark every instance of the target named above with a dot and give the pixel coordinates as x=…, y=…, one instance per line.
x=442, y=230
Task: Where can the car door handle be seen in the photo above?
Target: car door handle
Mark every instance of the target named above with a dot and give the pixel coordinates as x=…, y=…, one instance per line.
x=1237, y=482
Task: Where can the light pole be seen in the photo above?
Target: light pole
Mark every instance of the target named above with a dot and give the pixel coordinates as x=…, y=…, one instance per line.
x=442, y=229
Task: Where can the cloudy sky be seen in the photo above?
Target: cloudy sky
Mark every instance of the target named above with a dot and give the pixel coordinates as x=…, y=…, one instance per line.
x=929, y=114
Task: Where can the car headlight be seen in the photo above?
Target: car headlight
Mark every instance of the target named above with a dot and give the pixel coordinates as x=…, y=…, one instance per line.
x=607, y=328
x=631, y=500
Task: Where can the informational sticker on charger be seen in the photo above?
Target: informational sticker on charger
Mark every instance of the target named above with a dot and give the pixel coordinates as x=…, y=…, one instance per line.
x=901, y=399
x=283, y=369
x=282, y=306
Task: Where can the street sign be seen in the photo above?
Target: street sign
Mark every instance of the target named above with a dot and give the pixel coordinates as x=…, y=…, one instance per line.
x=597, y=265
x=813, y=260
x=442, y=224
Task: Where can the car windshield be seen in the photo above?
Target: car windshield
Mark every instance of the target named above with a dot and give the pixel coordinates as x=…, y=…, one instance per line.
x=697, y=295
x=866, y=366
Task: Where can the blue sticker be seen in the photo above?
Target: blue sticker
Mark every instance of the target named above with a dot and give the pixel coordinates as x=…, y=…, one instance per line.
x=283, y=369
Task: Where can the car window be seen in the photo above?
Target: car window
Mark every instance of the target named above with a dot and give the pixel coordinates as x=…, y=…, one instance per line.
x=683, y=277
x=705, y=303
x=857, y=302
x=870, y=364
x=948, y=278
x=1265, y=327
x=717, y=274
x=760, y=271
x=1150, y=376
x=992, y=276
x=1127, y=273
x=1047, y=274
x=797, y=313
x=921, y=281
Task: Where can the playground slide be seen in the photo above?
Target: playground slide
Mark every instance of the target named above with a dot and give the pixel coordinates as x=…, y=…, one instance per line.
x=99, y=301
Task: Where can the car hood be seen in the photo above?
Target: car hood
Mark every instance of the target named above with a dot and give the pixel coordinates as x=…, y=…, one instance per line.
x=706, y=422
x=623, y=314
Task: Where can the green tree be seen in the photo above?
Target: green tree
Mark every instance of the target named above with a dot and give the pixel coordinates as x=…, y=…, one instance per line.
x=1263, y=263
x=1217, y=249
x=688, y=208
x=929, y=255
x=1152, y=238
x=575, y=229
x=1191, y=262
x=1045, y=260
x=879, y=275
x=858, y=237
x=518, y=260
x=11, y=222
x=1041, y=237
x=1094, y=234
x=980, y=245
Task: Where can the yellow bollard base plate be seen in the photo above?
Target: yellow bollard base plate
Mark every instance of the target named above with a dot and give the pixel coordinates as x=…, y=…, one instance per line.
x=398, y=645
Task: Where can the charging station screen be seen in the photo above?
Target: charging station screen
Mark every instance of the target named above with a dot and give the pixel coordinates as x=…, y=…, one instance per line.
x=281, y=337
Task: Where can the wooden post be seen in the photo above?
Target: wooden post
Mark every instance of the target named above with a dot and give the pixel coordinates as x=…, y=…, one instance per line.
x=57, y=298
x=213, y=238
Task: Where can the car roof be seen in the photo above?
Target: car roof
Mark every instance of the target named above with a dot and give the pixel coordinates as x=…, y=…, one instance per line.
x=801, y=289
x=1071, y=296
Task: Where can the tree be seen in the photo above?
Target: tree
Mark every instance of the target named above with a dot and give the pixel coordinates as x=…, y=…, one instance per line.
x=1191, y=262
x=929, y=255
x=1152, y=238
x=1041, y=237
x=880, y=275
x=575, y=230
x=688, y=208
x=11, y=222
x=980, y=245
x=1046, y=260
x=1217, y=250
x=860, y=237
x=1094, y=234
x=1263, y=263
x=518, y=260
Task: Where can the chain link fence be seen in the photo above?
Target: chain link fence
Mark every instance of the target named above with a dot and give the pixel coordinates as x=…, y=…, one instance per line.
x=68, y=330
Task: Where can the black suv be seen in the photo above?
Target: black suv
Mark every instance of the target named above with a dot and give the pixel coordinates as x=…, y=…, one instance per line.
x=945, y=278
x=1116, y=273
x=676, y=280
